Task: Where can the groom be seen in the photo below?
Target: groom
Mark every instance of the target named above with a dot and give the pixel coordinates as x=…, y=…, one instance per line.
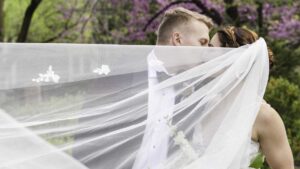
x=179, y=27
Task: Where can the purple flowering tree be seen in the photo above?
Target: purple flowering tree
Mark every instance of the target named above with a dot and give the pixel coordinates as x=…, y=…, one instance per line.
x=283, y=22
x=276, y=22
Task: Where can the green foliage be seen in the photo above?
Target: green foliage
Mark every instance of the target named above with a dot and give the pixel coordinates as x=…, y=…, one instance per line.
x=287, y=61
x=14, y=13
x=258, y=161
x=52, y=19
x=284, y=97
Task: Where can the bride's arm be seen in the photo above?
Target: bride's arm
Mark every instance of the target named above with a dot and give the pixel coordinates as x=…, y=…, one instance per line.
x=273, y=139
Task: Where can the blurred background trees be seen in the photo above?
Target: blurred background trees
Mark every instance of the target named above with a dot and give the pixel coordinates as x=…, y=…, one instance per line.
x=135, y=22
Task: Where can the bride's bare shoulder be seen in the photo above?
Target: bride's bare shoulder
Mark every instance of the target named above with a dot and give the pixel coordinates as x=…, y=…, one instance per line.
x=266, y=114
x=267, y=118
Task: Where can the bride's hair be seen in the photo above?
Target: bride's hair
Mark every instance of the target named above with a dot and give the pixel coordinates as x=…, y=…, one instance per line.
x=230, y=36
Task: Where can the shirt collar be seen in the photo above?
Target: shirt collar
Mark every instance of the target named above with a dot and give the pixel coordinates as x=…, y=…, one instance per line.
x=156, y=64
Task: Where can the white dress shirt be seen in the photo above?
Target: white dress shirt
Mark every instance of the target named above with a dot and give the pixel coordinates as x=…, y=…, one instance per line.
x=158, y=104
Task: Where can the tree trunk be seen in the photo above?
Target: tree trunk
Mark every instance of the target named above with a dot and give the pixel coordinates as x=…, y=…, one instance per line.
x=27, y=20
x=1, y=20
x=212, y=13
x=260, y=18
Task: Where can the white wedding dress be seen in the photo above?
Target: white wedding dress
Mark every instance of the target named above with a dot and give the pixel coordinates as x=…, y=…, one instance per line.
x=253, y=151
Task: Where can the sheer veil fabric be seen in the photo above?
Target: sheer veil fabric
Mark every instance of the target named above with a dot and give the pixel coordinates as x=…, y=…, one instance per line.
x=128, y=107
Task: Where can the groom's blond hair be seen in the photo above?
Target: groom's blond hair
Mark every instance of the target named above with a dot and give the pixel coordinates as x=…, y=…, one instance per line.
x=176, y=17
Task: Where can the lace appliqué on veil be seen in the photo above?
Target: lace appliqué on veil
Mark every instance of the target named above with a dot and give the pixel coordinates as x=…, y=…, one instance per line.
x=103, y=70
x=49, y=76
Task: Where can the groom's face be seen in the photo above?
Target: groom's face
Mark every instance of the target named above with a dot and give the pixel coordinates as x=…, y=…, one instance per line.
x=193, y=33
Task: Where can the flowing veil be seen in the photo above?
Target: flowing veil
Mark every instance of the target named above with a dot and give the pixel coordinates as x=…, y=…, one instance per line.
x=82, y=106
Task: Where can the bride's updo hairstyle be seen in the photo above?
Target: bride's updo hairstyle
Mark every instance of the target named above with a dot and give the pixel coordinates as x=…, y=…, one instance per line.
x=230, y=36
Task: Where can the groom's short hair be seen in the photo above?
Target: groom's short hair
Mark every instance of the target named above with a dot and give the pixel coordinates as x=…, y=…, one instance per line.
x=178, y=16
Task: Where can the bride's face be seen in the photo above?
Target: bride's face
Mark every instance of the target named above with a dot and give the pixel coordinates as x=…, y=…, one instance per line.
x=215, y=41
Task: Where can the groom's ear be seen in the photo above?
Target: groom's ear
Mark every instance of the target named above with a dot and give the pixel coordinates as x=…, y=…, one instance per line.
x=176, y=39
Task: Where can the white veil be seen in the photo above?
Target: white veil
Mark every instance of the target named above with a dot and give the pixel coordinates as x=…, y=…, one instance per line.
x=121, y=107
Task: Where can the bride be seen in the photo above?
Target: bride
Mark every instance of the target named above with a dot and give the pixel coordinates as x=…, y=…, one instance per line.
x=268, y=133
